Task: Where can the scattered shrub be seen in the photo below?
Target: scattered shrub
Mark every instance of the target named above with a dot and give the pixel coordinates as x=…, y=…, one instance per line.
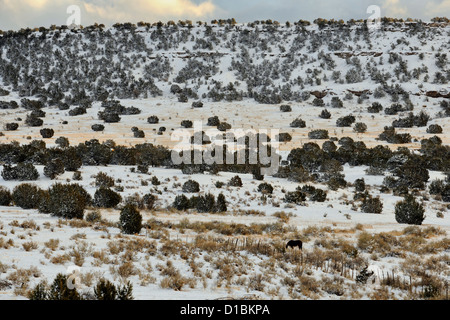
x=224, y=126
x=139, y=134
x=106, y=290
x=313, y=193
x=67, y=200
x=77, y=111
x=5, y=196
x=213, y=121
x=62, y=142
x=284, y=137
x=191, y=186
x=345, y=121
x=325, y=114
x=106, y=198
x=54, y=168
x=409, y=211
x=360, y=185
x=59, y=290
x=103, y=180
x=265, y=188
x=186, y=123
x=298, y=123
x=130, y=221
x=149, y=201
x=21, y=172
x=296, y=197
x=196, y=104
x=206, y=203
x=153, y=119
x=372, y=205
x=434, y=129
x=97, y=127
x=33, y=121
x=285, y=108
x=360, y=127
x=221, y=204
x=181, y=202
x=235, y=181
x=318, y=134
x=11, y=126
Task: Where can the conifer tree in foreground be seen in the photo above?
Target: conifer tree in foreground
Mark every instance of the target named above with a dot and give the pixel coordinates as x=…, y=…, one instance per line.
x=409, y=211
x=130, y=221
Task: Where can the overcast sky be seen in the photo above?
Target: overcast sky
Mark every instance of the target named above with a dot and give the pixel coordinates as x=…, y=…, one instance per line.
x=16, y=14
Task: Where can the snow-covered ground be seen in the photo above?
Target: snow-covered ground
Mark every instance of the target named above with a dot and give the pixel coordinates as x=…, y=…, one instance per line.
x=95, y=247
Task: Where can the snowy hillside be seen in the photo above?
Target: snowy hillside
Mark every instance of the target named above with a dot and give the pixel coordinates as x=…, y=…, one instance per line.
x=89, y=118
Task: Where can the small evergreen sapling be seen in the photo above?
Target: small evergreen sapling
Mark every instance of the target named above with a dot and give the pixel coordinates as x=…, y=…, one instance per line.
x=130, y=221
x=409, y=211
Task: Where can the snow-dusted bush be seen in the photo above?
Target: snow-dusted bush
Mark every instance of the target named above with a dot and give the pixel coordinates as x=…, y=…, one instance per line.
x=353, y=76
x=67, y=200
x=97, y=127
x=186, y=123
x=77, y=111
x=285, y=108
x=409, y=211
x=325, y=114
x=103, y=180
x=298, y=123
x=375, y=107
x=106, y=198
x=318, y=102
x=149, y=201
x=345, y=121
x=391, y=136
x=130, y=220
x=21, y=172
x=224, y=126
x=360, y=185
x=191, y=186
x=372, y=205
x=106, y=290
x=221, y=203
x=313, y=193
x=336, y=102
x=213, y=121
x=139, y=134
x=152, y=119
x=197, y=104
x=109, y=117
x=11, y=126
x=47, y=133
x=62, y=142
x=434, y=129
x=284, y=137
x=235, y=181
x=27, y=196
x=296, y=197
x=181, y=202
x=206, y=203
x=33, y=121
x=54, y=168
x=5, y=196
x=318, y=134
x=265, y=188
x=360, y=127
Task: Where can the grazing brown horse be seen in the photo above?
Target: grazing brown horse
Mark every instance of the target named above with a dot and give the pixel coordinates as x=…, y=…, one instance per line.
x=294, y=243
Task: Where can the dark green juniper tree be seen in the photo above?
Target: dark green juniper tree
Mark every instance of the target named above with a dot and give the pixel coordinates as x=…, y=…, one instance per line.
x=130, y=221
x=409, y=211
